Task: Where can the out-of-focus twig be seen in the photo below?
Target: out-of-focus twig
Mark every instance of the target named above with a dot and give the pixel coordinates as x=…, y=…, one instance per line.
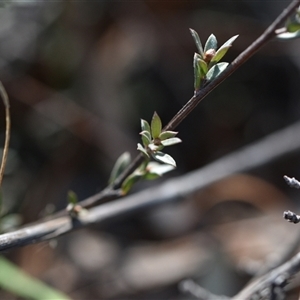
x=291, y=216
x=272, y=282
x=7, y=130
x=292, y=182
x=190, y=287
x=268, y=286
x=274, y=262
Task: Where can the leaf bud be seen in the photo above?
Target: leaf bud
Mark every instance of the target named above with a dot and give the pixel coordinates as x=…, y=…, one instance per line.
x=209, y=54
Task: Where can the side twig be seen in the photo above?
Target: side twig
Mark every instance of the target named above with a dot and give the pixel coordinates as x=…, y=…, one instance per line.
x=190, y=287
x=268, y=286
x=271, y=285
x=7, y=131
x=291, y=216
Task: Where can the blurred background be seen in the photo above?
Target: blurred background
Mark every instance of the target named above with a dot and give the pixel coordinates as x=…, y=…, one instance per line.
x=80, y=75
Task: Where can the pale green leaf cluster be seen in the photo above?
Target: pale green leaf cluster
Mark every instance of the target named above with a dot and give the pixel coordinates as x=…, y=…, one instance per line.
x=206, y=62
x=154, y=139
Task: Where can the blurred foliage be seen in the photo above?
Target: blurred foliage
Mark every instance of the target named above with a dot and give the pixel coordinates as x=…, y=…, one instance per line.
x=19, y=283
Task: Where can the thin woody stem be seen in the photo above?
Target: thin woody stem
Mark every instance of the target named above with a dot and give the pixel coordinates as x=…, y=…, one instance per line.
x=7, y=130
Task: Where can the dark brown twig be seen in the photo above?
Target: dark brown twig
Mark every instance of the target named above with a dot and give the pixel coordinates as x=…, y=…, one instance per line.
x=190, y=287
x=268, y=286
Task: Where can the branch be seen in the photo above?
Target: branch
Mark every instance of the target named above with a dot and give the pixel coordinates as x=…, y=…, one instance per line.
x=268, y=286
x=271, y=283
x=292, y=182
x=269, y=33
x=274, y=262
x=289, y=215
x=190, y=287
x=254, y=155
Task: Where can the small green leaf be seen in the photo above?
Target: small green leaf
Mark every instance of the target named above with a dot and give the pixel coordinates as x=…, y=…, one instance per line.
x=146, y=138
x=288, y=35
x=171, y=141
x=211, y=43
x=230, y=41
x=202, y=64
x=197, y=41
x=151, y=176
x=154, y=147
x=10, y=222
x=13, y=279
x=197, y=73
x=145, y=126
x=72, y=198
x=120, y=165
x=216, y=70
x=164, y=158
x=200, y=70
x=142, y=149
x=155, y=126
x=158, y=169
x=292, y=26
x=167, y=134
x=130, y=181
x=142, y=168
x=223, y=49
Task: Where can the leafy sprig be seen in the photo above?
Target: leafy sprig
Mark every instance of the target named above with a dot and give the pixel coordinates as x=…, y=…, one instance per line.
x=206, y=63
x=154, y=139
